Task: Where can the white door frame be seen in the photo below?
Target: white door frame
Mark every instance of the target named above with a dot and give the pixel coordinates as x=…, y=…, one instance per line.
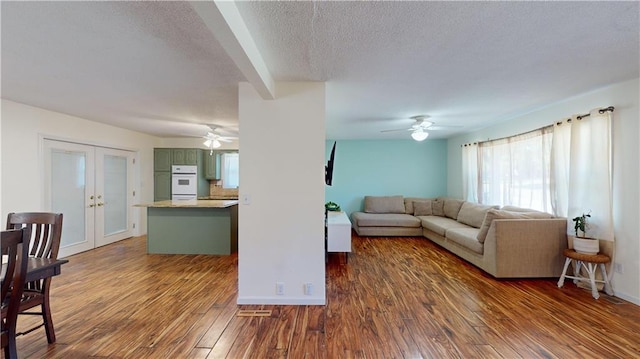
x=94, y=182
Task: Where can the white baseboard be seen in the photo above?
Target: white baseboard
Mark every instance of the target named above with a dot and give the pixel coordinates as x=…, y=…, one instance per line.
x=626, y=297
x=280, y=301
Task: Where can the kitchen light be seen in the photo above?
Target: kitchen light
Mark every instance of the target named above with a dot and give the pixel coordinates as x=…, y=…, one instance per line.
x=212, y=143
x=419, y=135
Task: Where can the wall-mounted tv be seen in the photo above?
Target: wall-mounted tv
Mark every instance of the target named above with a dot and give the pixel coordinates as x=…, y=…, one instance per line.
x=328, y=169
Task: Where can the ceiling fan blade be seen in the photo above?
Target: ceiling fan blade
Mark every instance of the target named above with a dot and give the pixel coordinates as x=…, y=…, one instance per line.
x=397, y=130
x=443, y=128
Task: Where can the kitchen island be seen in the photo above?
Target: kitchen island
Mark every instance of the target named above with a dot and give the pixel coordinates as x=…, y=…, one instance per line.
x=192, y=227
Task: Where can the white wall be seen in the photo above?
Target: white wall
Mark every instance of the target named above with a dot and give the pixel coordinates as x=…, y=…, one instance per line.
x=23, y=128
x=281, y=231
x=626, y=162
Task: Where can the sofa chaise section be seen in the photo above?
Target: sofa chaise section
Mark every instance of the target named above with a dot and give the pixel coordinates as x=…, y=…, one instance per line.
x=385, y=216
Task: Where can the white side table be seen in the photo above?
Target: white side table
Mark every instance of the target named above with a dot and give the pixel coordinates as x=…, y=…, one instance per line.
x=338, y=232
x=590, y=263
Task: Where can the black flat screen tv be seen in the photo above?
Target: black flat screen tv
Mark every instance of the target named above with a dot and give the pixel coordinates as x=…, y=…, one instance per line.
x=328, y=169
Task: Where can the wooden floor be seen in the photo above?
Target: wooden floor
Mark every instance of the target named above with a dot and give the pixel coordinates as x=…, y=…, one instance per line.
x=395, y=298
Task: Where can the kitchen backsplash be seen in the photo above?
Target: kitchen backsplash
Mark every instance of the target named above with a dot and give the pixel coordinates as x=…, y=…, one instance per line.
x=216, y=190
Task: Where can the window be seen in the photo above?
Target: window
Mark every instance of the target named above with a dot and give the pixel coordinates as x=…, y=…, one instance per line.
x=516, y=170
x=230, y=170
x=564, y=169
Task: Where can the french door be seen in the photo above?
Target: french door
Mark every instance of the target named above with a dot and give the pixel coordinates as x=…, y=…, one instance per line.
x=93, y=187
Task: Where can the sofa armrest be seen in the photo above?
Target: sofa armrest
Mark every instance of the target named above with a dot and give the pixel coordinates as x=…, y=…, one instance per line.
x=526, y=247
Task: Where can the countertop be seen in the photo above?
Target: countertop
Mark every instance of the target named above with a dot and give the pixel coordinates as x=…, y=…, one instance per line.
x=226, y=198
x=200, y=203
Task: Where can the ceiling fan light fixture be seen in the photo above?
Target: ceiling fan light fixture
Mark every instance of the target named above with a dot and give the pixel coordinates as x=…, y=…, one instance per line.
x=212, y=143
x=419, y=135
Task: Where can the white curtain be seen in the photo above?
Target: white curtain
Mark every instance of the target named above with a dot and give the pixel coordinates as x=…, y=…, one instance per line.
x=560, y=160
x=230, y=170
x=470, y=172
x=582, y=168
x=516, y=170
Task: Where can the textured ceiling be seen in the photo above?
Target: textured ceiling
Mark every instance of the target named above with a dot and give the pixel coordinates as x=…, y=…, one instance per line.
x=155, y=67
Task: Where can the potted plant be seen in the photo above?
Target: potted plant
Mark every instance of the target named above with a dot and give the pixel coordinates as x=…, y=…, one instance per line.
x=332, y=207
x=583, y=244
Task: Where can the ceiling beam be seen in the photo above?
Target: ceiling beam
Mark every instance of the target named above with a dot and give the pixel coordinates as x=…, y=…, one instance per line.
x=224, y=21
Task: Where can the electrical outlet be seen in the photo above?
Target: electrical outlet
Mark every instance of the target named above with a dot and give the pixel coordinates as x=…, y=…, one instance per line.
x=308, y=289
x=618, y=268
x=279, y=288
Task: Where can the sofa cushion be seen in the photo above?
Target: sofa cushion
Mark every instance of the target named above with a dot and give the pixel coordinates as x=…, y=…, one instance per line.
x=408, y=203
x=452, y=207
x=362, y=219
x=383, y=204
x=473, y=213
x=500, y=214
x=466, y=237
x=437, y=206
x=440, y=225
x=422, y=208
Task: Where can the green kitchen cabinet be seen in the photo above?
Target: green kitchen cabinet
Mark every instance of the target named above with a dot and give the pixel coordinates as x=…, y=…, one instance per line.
x=184, y=156
x=211, y=163
x=162, y=159
x=161, y=186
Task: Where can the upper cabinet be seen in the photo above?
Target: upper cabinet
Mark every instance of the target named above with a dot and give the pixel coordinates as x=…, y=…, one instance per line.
x=185, y=156
x=162, y=159
x=211, y=165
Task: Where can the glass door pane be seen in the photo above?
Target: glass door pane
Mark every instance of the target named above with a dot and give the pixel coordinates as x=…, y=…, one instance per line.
x=68, y=190
x=116, y=211
x=114, y=191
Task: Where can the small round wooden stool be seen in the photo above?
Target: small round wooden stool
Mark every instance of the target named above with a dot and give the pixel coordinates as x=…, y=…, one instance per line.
x=590, y=264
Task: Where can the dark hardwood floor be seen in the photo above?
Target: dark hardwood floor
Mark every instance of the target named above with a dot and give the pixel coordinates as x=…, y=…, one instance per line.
x=395, y=298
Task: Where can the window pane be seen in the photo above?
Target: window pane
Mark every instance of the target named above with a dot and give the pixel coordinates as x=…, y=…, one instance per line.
x=515, y=171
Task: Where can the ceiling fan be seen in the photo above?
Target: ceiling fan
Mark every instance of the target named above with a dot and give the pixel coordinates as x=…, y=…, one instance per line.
x=418, y=129
x=213, y=139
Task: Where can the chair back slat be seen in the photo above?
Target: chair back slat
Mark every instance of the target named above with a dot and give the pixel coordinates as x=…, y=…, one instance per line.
x=36, y=239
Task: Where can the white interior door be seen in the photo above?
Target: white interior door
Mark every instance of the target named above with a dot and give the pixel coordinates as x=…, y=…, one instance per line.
x=93, y=188
x=114, y=195
x=69, y=189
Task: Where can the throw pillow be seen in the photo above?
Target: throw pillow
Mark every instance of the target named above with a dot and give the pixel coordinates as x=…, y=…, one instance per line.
x=383, y=204
x=452, y=207
x=437, y=206
x=499, y=214
x=422, y=208
x=408, y=203
x=473, y=214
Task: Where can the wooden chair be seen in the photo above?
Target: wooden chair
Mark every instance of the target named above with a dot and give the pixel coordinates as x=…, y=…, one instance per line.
x=46, y=229
x=15, y=248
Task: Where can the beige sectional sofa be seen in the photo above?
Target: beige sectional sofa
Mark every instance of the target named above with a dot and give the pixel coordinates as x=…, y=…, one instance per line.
x=510, y=242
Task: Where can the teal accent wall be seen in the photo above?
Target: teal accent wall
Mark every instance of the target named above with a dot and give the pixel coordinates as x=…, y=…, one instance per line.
x=385, y=168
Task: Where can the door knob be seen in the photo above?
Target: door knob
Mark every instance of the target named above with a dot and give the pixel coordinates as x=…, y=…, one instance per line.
x=100, y=204
x=92, y=205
